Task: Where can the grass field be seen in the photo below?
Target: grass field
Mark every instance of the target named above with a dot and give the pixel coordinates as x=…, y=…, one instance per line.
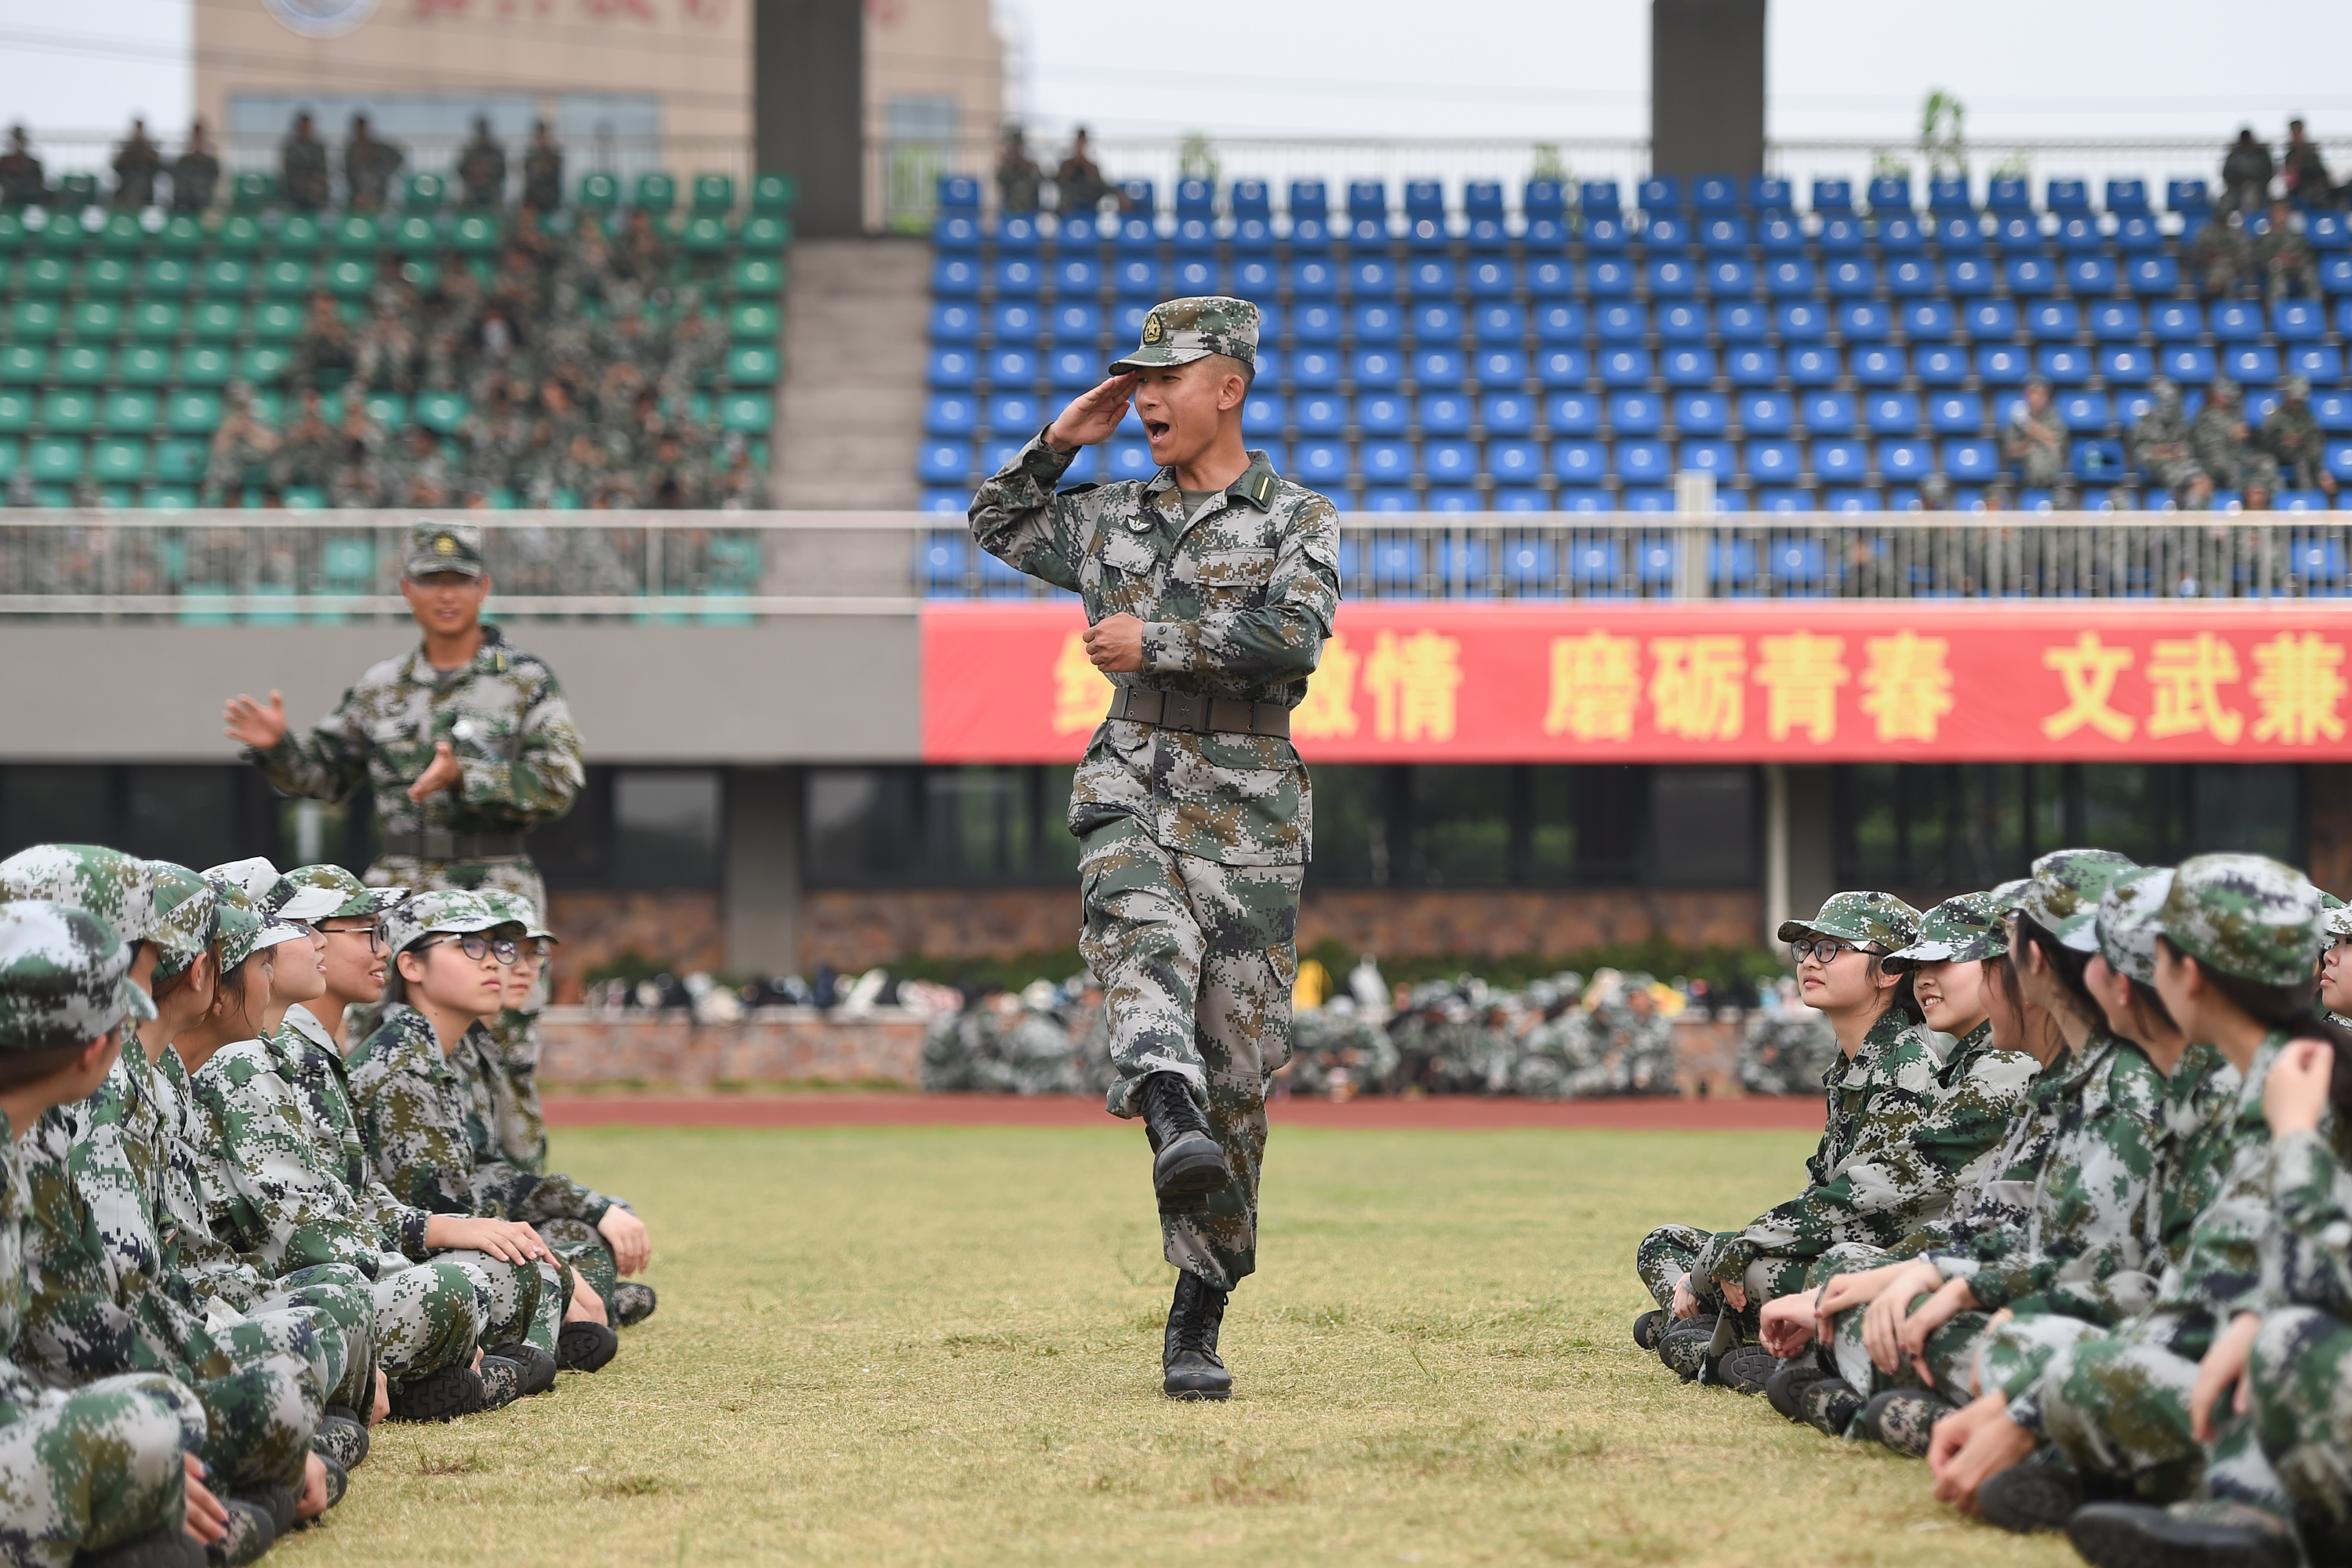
x=941, y=1346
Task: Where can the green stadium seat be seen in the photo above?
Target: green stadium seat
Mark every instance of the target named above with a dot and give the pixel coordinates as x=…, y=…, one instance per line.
x=388, y=409
x=424, y=193
x=441, y=412
x=204, y=364
x=424, y=276
x=216, y=320
x=168, y=498
x=268, y=406
x=239, y=232
x=35, y=320
x=276, y=321
x=77, y=191
x=657, y=193
x=53, y=460
x=156, y=320
x=45, y=275
x=752, y=365
x=143, y=364
x=95, y=320
x=63, y=234
x=287, y=276
x=599, y=193
x=753, y=413
x=474, y=233
x=180, y=232
x=705, y=233
x=55, y=498
x=225, y=277
x=358, y=231
x=66, y=413
x=348, y=562
x=118, y=461
x=166, y=276
x=182, y=461
x=757, y=275
x=764, y=231
x=304, y=498
x=189, y=412
x=417, y=234
x=82, y=365
x=249, y=193
x=129, y=413
x=12, y=231
x=16, y=410
x=11, y=455
x=297, y=233
x=564, y=500
x=347, y=277
x=265, y=362
x=124, y=231
x=22, y=364
x=760, y=319
x=714, y=194
x=106, y=275
x=117, y=498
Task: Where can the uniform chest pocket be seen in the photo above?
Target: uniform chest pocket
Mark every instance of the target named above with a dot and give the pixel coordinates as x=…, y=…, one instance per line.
x=1227, y=576
x=1129, y=554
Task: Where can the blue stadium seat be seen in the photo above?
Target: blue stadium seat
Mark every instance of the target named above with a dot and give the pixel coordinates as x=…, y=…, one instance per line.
x=2259, y=404
x=1841, y=462
x=955, y=276
x=1625, y=366
x=1621, y=321
x=1990, y=318
x=2251, y=364
x=1321, y=462
x=1493, y=367
x=1315, y=368
x=1682, y=322
x=1741, y=323
x=1012, y=413
x=2132, y=404
x=2098, y=459
x=2318, y=561
x=1863, y=321
x=951, y=414
x=1827, y=413
x=1774, y=461
x=1653, y=500
x=1193, y=275
x=1586, y=499
x=943, y=462
x=2085, y=412
x=1795, y=559
x=952, y=367
x=958, y=231
x=1264, y=414
x=2187, y=363
x=1374, y=275
x=1850, y=276
x=1779, y=234
x=1660, y=193
x=1023, y=276
x=1508, y=412
x=2127, y=198
x=1578, y=462
x=1813, y=365
x=1876, y=364
x=1598, y=198
x=2063, y=364
x=2327, y=231
x=1722, y=232
x=2115, y=321
x=1077, y=323
x=2152, y=276
x=1321, y=413
x=2090, y=277
x=1767, y=413
x=1445, y=413
x=1752, y=365
x=1791, y=277
x=2127, y=365
x=1688, y=364
x=1834, y=198
x=1891, y=414
x=1673, y=277
x=1966, y=277
x=1522, y=498
x=1430, y=277
x=1562, y=322
x=1909, y=278
x=1080, y=277
x=1253, y=277
x=2322, y=364
x=1313, y=276
x=1730, y=277
x=1381, y=368
x=1777, y=502
x=1840, y=237
x=1901, y=234
x=2333, y=410
x=1906, y=461
x=1435, y=367
x=2236, y=321
x=2053, y=321
x=955, y=321
x=2137, y=235
x=1435, y=321
x=1702, y=413
x=1491, y=277
x=1514, y=462
x=1959, y=231
x=1889, y=194
x=1926, y=320
x=1498, y=322
x=2298, y=321
x=1850, y=499
x=1449, y=462
x=2029, y=276
x=2079, y=233
x=1970, y=461
x=1948, y=194
x=2002, y=364
x=1393, y=498
x=1665, y=234
x=1373, y=320
x=1011, y=368
x=1382, y=414
x=1802, y=322
x=1605, y=233
x=1316, y=321
x=1459, y=499
x=1955, y=413
x=2018, y=234
x=1562, y=367
x=1637, y=413
x=1607, y=277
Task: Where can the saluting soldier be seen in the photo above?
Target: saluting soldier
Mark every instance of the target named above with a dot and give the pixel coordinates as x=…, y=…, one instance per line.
x=1209, y=591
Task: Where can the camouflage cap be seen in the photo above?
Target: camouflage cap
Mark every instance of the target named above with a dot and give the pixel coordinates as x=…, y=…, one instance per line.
x=2007, y=896
x=438, y=910
x=254, y=877
x=326, y=893
x=242, y=928
x=2245, y=915
x=65, y=979
x=2294, y=388
x=1859, y=917
x=2062, y=897
x=2127, y=923
x=118, y=888
x=186, y=917
x=442, y=547
x=515, y=908
x=1177, y=331
x=1962, y=928
x=2338, y=920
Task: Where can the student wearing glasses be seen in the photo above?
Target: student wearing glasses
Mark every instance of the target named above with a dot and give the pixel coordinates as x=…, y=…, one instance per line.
x=1866, y=1183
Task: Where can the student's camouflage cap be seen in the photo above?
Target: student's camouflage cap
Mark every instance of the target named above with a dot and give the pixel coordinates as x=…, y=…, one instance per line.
x=314, y=893
x=187, y=915
x=441, y=911
x=2245, y=915
x=518, y=910
x=242, y=928
x=2338, y=921
x=1962, y=928
x=64, y=980
x=1177, y=331
x=117, y=889
x=2008, y=895
x=2128, y=920
x=442, y=547
x=1859, y=917
x=2062, y=897
x=254, y=877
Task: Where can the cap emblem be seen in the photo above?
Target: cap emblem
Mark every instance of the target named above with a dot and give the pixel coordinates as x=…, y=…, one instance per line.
x=1152, y=328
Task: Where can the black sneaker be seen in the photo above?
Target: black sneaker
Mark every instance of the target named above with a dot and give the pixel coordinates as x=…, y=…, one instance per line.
x=538, y=1366
x=1649, y=1326
x=1830, y=1405
x=633, y=1302
x=165, y=1546
x=1188, y=1356
x=2187, y=1535
x=345, y=1442
x=1786, y=1388
x=1746, y=1369
x=1904, y=1419
x=443, y=1395
x=584, y=1347
x=2031, y=1496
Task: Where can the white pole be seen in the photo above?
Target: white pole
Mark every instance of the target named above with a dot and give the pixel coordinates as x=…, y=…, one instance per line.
x=1776, y=850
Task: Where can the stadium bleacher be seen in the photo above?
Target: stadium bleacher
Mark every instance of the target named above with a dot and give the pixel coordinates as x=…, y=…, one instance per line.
x=1442, y=356
x=123, y=334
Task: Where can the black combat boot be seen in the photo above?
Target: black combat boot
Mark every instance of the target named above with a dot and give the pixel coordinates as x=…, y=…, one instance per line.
x=251, y=1532
x=273, y=1499
x=1829, y=1405
x=2035, y=1496
x=1786, y=1388
x=1189, y=1164
x=443, y=1395
x=1189, y=1353
x=584, y=1346
x=166, y=1546
x=1683, y=1347
x=538, y=1366
x=2187, y=1535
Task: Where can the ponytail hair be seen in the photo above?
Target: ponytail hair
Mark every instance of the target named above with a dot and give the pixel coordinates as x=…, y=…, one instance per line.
x=2292, y=1008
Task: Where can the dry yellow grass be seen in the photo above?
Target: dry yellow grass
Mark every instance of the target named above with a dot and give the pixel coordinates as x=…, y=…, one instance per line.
x=941, y=1346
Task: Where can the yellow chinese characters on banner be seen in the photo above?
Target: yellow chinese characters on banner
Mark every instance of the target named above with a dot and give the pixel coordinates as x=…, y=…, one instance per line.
x=2297, y=684
x=1596, y=683
x=1413, y=679
x=1906, y=686
x=1328, y=711
x=1800, y=674
x=1698, y=687
x=1081, y=692
x=2088, y=670
x=2186, y=676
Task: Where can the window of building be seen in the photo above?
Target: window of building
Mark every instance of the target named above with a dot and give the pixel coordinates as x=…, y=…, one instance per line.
x=1702, y=827
x=639, y=827
x=199, y=815
x=943, y=827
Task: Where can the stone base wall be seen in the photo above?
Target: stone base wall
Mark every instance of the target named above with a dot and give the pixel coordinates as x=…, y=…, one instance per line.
x=679, y=929
x=855, y=929
x=776, y=1045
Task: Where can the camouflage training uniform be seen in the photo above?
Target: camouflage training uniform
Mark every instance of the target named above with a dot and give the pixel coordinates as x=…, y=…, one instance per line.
x=2282, y=258
x=2302, y=1364
x=1562, y=1059
x=428, y=1120
x=100, y=1466
x=522, y=1118
x=2036, y=442
x=1337, y=1050
x=1786, y=1052
x=1638, y=1040
x=2292, y=437
x=1194, y=842
x=2160, y=445
x=2225, y=450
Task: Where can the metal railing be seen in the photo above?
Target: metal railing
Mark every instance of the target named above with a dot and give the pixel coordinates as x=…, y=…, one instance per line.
x=720, y=569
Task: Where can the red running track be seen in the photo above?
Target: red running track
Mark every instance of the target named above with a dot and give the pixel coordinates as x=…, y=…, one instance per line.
x=1794, y=1113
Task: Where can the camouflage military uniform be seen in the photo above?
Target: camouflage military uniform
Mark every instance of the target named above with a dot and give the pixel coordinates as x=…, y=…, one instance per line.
x=1337, y=1050
x=2219, y=256
x=2284, y=260
x=1561, y=1058
x=2036, y=441
x=521, y=1120
x=1786, y=1050
x=2302, y=1361
x=1635, y=1039
x=2160, y=446
x=2292, y=437
x=89, y=1469
x=2224, y=448
x=1194, y=842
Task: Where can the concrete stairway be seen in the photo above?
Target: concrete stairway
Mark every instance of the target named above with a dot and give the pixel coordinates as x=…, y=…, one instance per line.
x=852, y=410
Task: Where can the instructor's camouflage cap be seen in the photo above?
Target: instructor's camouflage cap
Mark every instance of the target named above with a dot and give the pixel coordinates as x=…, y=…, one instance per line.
x=1177, y=331
x=115, y=887
x=64, y=978
x=2128, y=921
x=186, y=908
x=2062, y=897
x=441, y=911
x=314, y=893
x=515, y=909
x=442, y=547
x=1962, y=928
x=1861, y=917
x=2245, y=915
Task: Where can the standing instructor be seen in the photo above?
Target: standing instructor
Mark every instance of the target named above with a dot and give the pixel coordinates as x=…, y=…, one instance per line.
x=1209, y=590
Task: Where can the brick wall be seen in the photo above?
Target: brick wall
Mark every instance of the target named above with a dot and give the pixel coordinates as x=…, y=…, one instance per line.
x=855, y=929
x=680, y=929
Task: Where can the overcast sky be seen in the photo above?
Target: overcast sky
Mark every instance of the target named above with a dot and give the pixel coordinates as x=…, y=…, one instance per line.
x=1536, y=68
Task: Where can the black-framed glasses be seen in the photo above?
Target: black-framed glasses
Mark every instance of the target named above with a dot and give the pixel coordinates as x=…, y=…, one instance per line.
x=477, y=947
x=372, y=930
x=1823, y=948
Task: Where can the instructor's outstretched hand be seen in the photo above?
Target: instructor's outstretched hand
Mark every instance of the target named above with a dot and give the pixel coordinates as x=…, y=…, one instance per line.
x=1093, y=415
x=250, y=724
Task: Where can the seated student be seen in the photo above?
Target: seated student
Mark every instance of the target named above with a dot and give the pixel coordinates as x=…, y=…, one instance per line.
x=1866, y=1184
x=105, y=1296
x=510, y=1071
x=427, y=1320
x=107, y=1473
x=2238, y=936
x=426, y=1116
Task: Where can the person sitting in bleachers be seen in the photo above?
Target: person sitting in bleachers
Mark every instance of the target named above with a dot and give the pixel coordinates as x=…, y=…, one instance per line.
x=1078, y=183
x=384, y=357
x=419, y=472
x=23, y=184
x=137, y=162
x=2160, y=450
x=369, y=166
x=308, y=448
x=323, y=345
x=2282, y=259
x=2219, y=259
x=542, y=171
x=303, y=166
x=2034, y=442
x=482, y=168
x=196, y=173
x=242, y=447
x=2225, y=450
x=2292, y=437
x=1018, y=177
x=644, y=254
x=2246, y=173
x=2304, y=171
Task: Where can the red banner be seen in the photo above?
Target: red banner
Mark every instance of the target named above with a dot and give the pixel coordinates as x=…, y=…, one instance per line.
x=1787, y=680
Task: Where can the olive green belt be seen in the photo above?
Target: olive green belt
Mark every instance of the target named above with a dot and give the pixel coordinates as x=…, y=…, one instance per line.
x=1201, y=714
